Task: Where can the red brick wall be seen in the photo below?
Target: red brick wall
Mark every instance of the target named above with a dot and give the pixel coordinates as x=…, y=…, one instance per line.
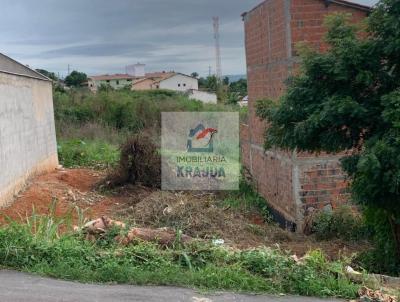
x=292, y=183
x=245, y=145
x=307, y=21
x=321, y=183
x=266, y=52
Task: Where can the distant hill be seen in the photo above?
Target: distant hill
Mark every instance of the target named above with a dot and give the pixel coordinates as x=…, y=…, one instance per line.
x=235, y=77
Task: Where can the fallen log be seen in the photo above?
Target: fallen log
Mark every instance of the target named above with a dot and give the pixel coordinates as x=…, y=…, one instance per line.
x=162, y=236
x=100, y=225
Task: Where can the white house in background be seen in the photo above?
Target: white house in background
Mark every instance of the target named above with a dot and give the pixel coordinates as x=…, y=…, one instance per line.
x=137, y=79
x=204, y=96
x=244, y=102
x=177, y=82
x=116, y=81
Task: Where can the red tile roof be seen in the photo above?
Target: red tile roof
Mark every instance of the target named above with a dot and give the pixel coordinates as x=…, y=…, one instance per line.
x=106, y=77
x=160, y=75
x=121, y=76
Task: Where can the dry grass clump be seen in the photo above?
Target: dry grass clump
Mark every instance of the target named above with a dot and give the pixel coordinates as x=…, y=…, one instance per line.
x=197, y=215
x=140, y=163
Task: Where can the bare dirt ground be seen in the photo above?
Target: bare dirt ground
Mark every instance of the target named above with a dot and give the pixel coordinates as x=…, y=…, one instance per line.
x=198, y=215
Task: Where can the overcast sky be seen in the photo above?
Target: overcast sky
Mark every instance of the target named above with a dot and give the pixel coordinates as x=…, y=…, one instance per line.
x=103, y=36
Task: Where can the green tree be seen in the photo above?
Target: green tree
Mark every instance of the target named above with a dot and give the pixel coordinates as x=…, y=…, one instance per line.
x=238, y=89
x=348, y=98
x=210, y=83
x=225, y=81
x=75, y=78
x=194, y=75
x=239, y=86
x=50, y=75
x=202, y=83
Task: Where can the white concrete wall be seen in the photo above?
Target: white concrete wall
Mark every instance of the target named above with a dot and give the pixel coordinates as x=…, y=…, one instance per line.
x=27, y=132
x=136, y=70
x=204, y=96
x=179, y=82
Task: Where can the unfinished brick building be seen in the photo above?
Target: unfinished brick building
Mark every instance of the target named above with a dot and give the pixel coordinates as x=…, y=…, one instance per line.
x=294, y=184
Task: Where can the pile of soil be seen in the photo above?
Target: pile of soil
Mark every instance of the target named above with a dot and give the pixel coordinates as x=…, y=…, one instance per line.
x=68, y=187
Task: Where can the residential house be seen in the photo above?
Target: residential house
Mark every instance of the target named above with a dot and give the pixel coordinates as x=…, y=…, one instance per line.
x=137, y=79
x=149, y=80
x=177, y=82
x=116, y=81
x=166, y=80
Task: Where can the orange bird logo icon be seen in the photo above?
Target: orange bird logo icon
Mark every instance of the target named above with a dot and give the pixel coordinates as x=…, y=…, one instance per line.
x=201, y=139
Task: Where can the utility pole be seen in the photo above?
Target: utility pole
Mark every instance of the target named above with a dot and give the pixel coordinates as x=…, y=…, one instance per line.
x=68, y=68
x=209, y=71
x=217, y=48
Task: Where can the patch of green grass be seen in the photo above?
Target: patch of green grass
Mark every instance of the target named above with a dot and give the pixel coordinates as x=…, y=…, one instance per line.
x=88, y=153
x=343, y=223
x=38, y=247
x=247, y=199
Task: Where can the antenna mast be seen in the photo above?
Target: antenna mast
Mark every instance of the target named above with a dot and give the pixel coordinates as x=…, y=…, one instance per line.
x=217, y=48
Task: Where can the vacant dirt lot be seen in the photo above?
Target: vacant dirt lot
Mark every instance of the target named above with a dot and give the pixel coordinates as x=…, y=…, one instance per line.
x=198, y=215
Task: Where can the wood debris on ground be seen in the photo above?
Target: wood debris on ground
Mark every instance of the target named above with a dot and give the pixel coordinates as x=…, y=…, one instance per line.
x=162, y=236
x=368, y=295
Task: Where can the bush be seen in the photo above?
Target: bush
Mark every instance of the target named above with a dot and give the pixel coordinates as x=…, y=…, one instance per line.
x=381, y=259
x=343, y=222
x=124, y=109
x=140, y=162
x=80, y=153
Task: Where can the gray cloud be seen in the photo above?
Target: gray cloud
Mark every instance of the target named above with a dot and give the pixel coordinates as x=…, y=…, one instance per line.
x=99, y=36
x=100, y=50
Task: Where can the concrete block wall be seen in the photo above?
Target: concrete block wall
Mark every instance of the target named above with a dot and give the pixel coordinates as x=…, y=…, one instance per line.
x=27, y=132
x=294, y=184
